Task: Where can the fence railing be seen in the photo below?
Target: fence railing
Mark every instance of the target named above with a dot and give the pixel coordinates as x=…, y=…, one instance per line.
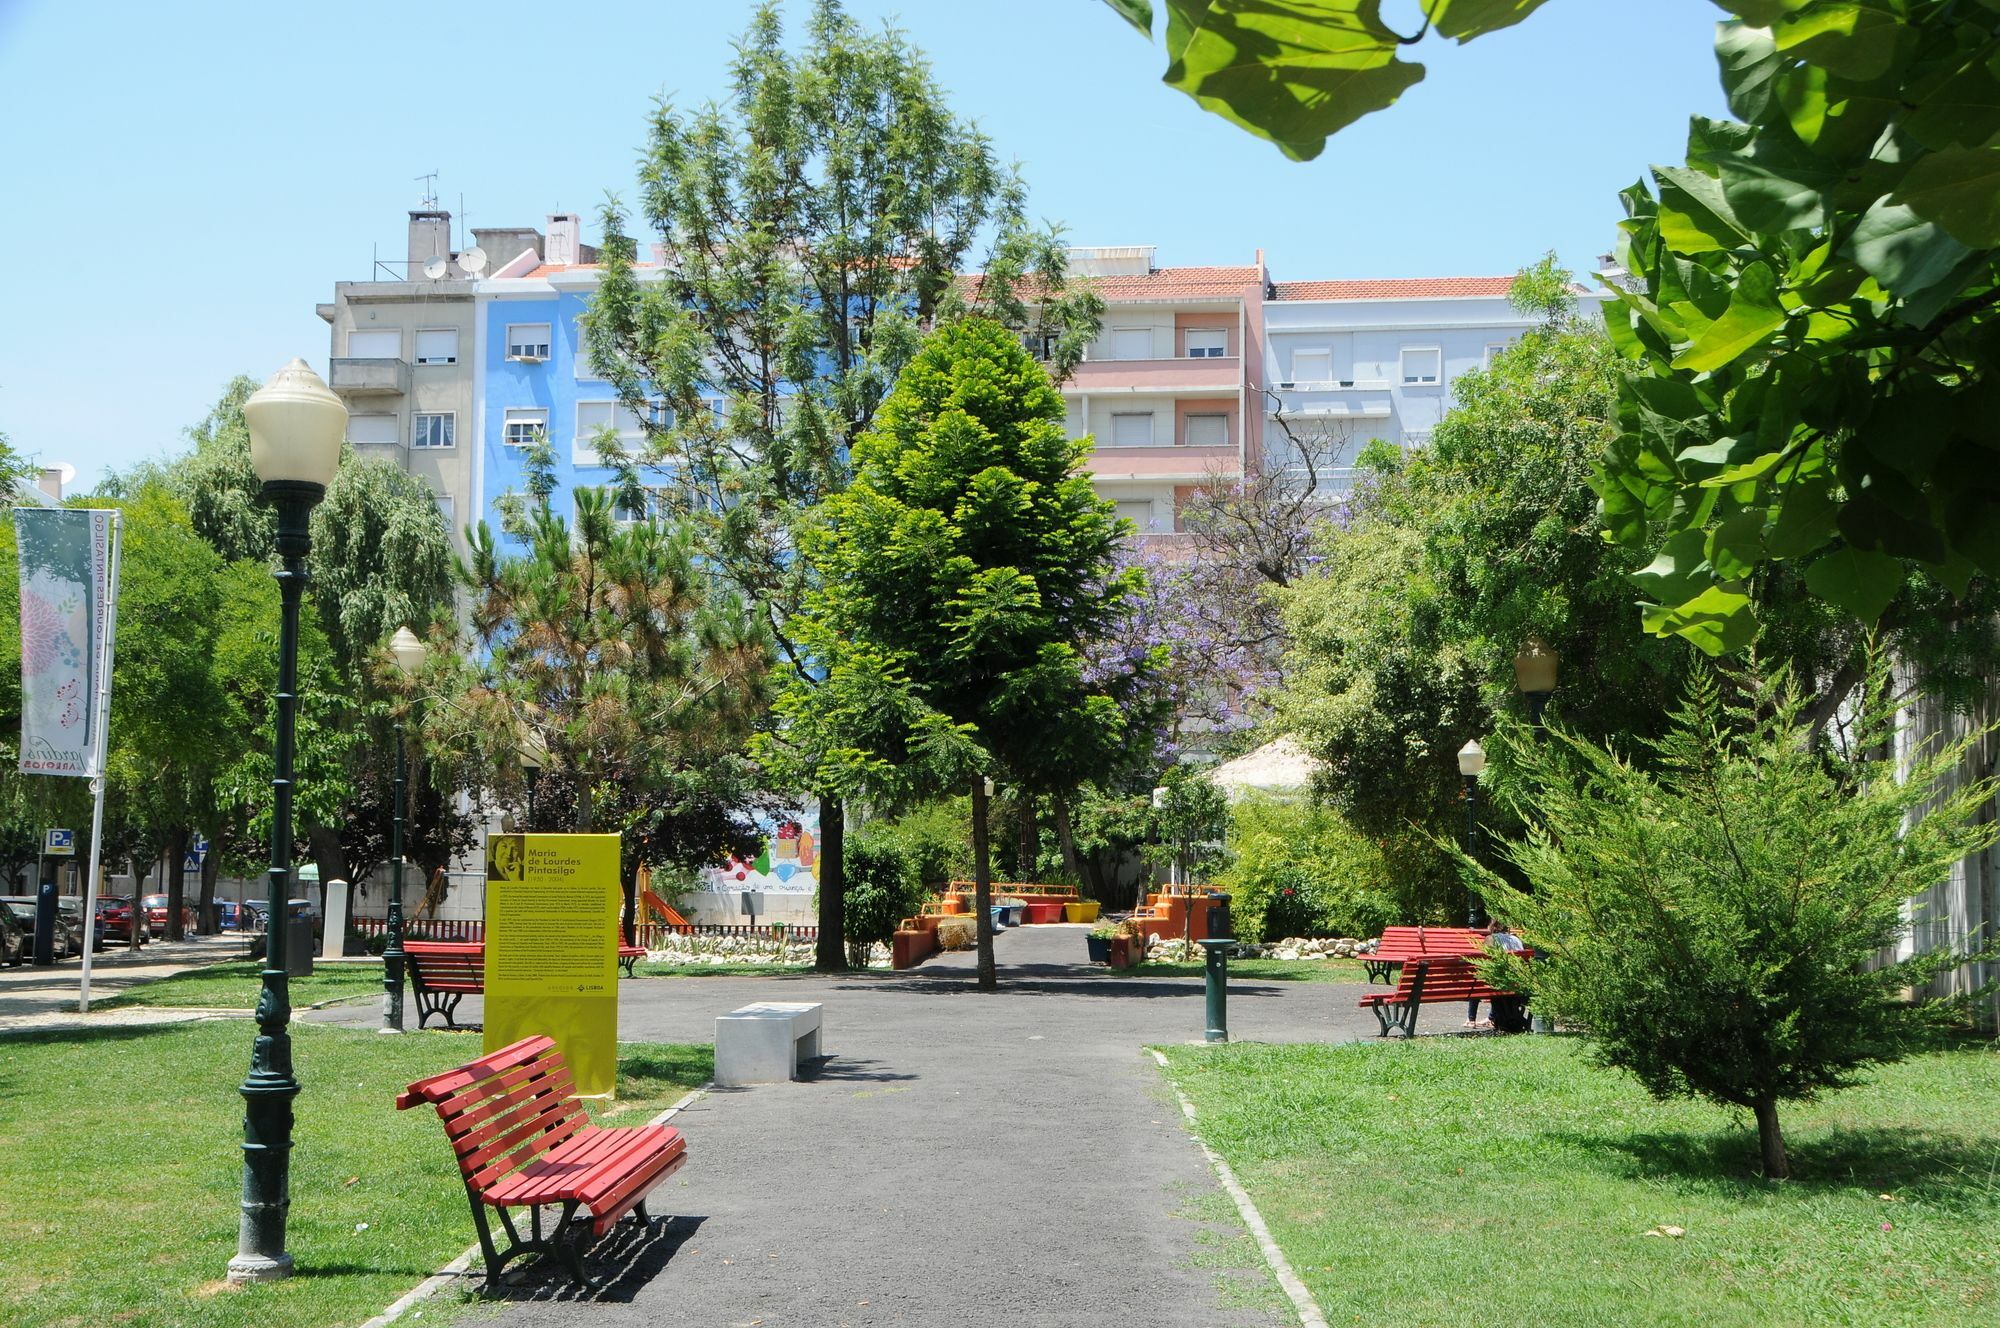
x=652, y=935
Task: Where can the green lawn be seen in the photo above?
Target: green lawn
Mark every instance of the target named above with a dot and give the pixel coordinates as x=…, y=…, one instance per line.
x=121, y=1165
x=1506, y=1182
x=235, y=987
x=1256, y=970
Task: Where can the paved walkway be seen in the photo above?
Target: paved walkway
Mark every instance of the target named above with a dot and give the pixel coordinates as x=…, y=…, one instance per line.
x=33, y=997
x=961, y=1159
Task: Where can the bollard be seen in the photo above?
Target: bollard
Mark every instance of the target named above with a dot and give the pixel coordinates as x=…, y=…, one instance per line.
x=1215, y=972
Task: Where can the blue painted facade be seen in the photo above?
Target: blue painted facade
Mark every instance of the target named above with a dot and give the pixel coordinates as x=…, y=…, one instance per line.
x=556, y=394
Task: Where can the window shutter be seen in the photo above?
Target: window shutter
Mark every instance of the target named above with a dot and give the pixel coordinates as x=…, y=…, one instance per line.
x=1133, y=430
x=375, y=345
x=1131, y=343
x=1207, y=431
x=437, y=346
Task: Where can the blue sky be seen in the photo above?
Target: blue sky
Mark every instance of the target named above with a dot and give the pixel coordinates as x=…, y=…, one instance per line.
x=189, y=180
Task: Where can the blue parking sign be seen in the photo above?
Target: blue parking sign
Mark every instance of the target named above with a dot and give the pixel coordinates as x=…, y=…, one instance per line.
x=60, y=843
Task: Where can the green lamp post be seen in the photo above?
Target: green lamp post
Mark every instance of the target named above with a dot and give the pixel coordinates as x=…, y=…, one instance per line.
x=296, y=426
x=410, y=653
x=1535, y=676
x=1471, y=764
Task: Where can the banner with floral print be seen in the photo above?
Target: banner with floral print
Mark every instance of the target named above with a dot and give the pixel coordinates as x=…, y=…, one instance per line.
x=65, y=616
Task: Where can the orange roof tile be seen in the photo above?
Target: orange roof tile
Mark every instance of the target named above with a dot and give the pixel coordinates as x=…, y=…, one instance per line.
x=1394, y=288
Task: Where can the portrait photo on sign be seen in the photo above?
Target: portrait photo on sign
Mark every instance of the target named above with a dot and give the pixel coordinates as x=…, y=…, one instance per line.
x=505, y=855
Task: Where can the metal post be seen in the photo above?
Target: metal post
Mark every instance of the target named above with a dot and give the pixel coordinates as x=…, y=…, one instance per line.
x=1475, y=907
x=270, y=1087
x=1215, y=970
x=392, y=953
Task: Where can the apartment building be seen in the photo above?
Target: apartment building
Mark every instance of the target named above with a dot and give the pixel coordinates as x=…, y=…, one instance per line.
x=1170, y=389
x=1352, y=361
x=401, y=356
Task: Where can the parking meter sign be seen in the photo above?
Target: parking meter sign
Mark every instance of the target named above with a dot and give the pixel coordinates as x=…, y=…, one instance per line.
x=60, y=843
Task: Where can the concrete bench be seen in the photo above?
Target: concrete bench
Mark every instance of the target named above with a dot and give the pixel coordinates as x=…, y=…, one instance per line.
x=765, y=1043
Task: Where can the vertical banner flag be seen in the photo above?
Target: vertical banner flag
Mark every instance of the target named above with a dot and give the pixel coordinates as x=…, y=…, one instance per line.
x=552, y=905
x=65, y=608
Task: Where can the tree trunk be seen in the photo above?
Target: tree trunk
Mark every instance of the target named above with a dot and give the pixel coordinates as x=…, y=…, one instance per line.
x=830, y=952
x=1771, y=1141
x=1065, y=835
x=177, y=847
x=586, y=808
x=982, y=887
x=328, y=856
x=204, y=909
x=628, y=882
x=1027, y=843
x=138, y=892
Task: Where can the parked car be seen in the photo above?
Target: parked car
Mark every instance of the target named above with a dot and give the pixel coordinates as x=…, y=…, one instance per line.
x=257, y=908
x=156, y=916
x=14, y=942
x=232, y=916
x=115, y=912
x=69, y=922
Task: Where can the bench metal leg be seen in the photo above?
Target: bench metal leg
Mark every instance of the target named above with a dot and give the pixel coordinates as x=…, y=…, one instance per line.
x=566, y=1241
x=437, y=1002
x=1377, y=970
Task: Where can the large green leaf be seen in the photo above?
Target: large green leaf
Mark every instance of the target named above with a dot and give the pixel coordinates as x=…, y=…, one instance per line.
x=1139, y=13
x=1292, y=71
x=1466, y=19
x=1914, y=259
x=1754, y=314
x=1805, y=519
x=1749, y=61
x=1963, y=111
x=1857, y=580
x=1778, y=183
x=1694, y=216
x=1959, y=189
x=1854, y=38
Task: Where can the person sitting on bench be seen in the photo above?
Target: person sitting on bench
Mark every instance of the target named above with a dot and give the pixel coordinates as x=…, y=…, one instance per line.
x=1498, y=937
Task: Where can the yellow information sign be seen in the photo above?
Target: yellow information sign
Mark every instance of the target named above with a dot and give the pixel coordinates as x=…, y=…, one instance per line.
x=552, y=949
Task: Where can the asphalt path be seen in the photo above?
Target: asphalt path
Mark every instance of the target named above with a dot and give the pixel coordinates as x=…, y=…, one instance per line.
x=958, y=1158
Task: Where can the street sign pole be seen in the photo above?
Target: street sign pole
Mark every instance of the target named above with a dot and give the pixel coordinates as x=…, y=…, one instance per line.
x=97, y=770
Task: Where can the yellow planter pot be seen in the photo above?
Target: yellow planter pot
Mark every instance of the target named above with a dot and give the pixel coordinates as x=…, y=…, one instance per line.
x=1085, y=911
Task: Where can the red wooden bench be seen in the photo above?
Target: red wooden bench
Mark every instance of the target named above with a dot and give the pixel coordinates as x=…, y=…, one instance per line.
x=444, y=972
x=1399, y=945
x=523, y=1141
x=1427, y=981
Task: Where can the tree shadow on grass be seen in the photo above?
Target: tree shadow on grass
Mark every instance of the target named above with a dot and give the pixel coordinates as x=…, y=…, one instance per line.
x=1951, y=1171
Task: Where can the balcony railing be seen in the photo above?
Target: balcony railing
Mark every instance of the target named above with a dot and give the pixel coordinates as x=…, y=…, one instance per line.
x=1165, y=376
x=370, y=377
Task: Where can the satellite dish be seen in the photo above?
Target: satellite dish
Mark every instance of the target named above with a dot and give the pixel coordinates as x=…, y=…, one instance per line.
x=473, y=260
x=436, y=266
x=67, y=472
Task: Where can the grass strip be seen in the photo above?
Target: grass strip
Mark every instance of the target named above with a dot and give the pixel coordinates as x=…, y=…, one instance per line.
x=234, y=986
x=1509, y=1182
x=120, y=1159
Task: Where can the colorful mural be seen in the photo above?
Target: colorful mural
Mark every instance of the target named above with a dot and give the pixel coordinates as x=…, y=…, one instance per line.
x=787, y=862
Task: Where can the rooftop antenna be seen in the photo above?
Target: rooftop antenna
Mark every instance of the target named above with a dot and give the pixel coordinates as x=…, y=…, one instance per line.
x=429, y=181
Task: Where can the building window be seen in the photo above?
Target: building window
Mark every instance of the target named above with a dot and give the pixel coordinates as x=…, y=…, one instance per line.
x=523, y=426
x=1132, y=429
x=433, y=430
x=1312, y=366
x=1140, y=514
x=1131, y=343
x=375, y=345
x=1206, y=431
x=1041, y=345
x=1421, y=365
x=1207, y=343
x=528, y=341
x=591, y=419
x=446, y=508
x=437, y=345
x=373, y=430
x=1492, y=348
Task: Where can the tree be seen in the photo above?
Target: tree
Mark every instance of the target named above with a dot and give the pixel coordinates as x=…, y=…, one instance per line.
x=1711, y=917
x=811, y=229
x=1809, y=317
x=1450, y=559
x=972, y=557
x=607, y=643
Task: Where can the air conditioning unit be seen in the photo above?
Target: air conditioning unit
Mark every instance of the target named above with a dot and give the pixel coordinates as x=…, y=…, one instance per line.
x=1288, y=386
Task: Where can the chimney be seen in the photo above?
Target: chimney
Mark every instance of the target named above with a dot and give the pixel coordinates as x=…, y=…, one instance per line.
x=50, y=482
x=565, y=244
x=430, y=237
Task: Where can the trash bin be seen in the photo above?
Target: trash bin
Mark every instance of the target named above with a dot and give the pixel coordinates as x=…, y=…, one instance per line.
x=299, y=947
